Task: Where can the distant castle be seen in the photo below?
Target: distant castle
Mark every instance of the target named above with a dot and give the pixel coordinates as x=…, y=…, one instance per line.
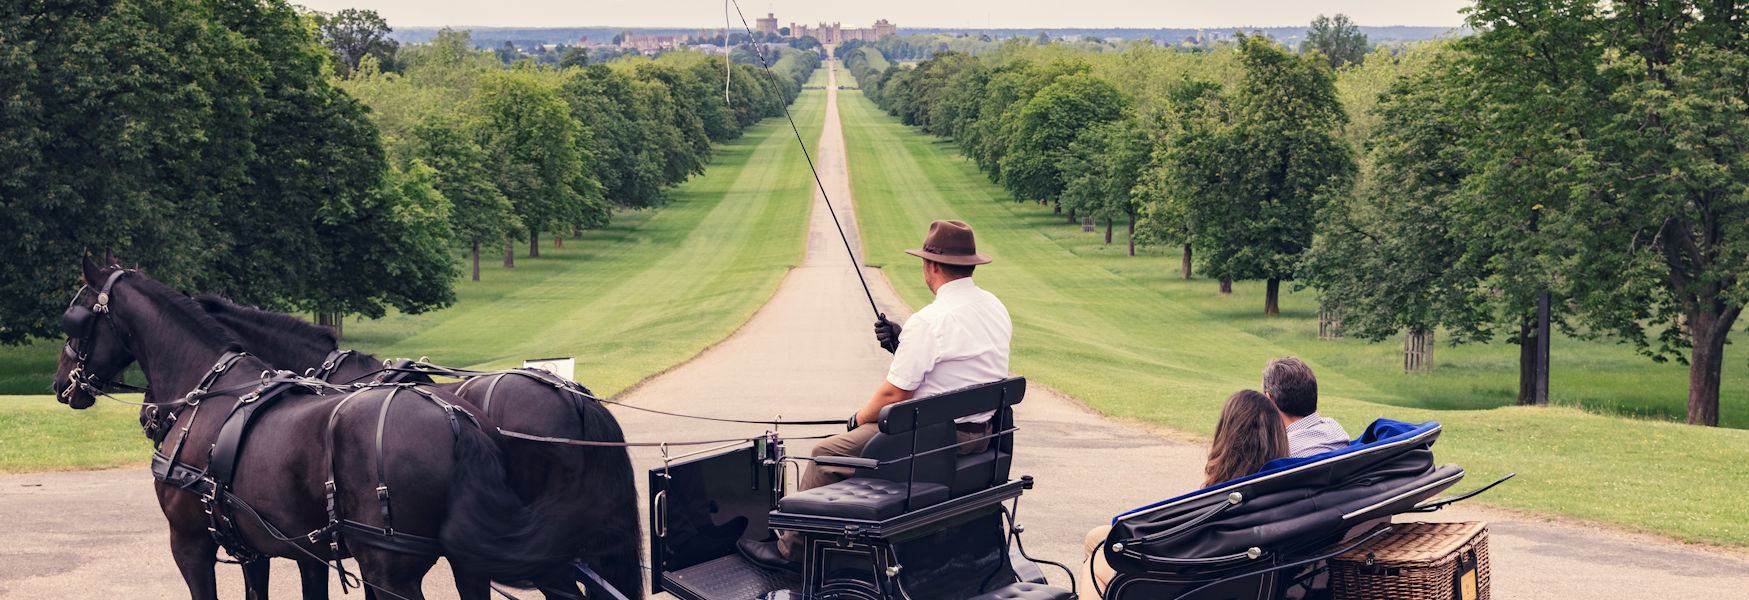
x=835, y=33
x=828, y=34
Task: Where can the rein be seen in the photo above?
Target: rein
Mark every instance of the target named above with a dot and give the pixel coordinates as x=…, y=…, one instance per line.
x=426, y=368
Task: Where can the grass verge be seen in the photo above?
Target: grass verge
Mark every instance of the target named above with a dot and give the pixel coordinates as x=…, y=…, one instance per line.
x=1115, y=332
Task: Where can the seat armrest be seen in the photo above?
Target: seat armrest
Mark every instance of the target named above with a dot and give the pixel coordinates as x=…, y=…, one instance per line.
x=847, y=461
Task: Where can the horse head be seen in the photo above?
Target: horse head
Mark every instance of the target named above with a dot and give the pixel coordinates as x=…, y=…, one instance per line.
x=96, y=350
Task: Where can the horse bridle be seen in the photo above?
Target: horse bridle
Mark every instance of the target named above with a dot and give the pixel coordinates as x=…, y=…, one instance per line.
x=80, y=325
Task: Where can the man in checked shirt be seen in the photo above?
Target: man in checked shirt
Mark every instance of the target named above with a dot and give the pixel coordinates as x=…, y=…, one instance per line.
x=1289, y=382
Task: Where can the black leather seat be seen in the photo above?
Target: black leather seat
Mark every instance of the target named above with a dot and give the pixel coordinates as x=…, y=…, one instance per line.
x=913, y=462
x=862, y=498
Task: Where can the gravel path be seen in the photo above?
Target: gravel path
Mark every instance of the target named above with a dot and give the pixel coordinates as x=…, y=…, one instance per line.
x=809, y=354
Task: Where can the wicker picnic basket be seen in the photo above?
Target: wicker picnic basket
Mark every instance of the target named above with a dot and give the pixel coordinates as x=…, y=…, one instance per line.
x=1416, y=561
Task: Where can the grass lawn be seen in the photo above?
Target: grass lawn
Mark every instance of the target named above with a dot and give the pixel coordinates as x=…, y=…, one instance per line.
x=1121, y=334
x=629, y=300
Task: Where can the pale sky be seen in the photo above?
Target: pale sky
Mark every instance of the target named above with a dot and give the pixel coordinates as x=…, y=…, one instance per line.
x=1022, y=14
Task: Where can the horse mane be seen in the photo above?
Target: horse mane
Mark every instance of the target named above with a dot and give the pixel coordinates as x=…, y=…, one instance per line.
x=184, y=307
x=291, y=326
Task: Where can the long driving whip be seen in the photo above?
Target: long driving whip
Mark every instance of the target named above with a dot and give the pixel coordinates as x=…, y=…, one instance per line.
x=855, y=265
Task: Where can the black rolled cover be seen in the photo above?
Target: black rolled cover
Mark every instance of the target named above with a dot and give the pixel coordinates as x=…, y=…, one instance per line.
x=1293, y=506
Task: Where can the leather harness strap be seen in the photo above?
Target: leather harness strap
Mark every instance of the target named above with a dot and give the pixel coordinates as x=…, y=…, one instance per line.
x=214, y=484
x=382, y=476
x=331, y=364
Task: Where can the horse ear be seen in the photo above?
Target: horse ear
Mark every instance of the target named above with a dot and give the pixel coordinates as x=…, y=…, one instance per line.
x=93, y=274
x=109, y=258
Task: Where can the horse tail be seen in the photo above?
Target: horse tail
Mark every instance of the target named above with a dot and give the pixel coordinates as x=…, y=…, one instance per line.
x=615, y=549
x=490, y=532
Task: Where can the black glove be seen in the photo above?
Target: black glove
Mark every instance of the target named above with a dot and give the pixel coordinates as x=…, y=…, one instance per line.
x=850, y=424
x=887, y=333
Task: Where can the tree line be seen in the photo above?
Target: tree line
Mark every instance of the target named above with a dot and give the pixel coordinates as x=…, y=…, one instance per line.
x=250, y=149
x=1589, y=160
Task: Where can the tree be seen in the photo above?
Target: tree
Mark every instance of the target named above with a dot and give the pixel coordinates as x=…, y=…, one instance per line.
x=1048, y=125
x=461, y=171
x=317, y=156
x=1391, y=256
x=1186, y=165
x=508, y=53
x=353, y=34
x=1250, y=182
x=1621, y=132
x=1102, y=169
x=122, y=129
x=1338, y=39
x=531, y=139
x=575, y=56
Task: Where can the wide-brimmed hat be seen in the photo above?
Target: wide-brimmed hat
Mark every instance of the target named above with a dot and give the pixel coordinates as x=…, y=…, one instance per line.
x=950, y=243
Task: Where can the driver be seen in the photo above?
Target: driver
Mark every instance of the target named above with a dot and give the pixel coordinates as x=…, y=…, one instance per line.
x=959, y=340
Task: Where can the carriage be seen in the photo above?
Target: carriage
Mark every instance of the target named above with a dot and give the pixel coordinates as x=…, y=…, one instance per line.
x=924, y=517
x=921, y=520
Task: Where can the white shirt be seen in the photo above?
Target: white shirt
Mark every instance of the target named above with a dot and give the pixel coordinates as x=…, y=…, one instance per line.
x=961, y=339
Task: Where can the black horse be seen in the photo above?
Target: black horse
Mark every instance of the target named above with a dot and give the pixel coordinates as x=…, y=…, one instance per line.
x=312, y=463
x=597, y=480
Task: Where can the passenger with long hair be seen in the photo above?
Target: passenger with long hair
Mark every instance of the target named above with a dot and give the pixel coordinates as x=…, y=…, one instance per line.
x=1249, y=434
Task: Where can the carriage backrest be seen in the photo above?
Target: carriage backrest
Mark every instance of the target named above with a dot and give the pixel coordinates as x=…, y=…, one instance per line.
x=924, y=428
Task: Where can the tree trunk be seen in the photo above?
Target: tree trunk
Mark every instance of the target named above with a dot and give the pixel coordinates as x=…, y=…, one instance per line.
x=1226, y=285
x=476, y=260
x=1056, y=209
x=1187, y=261
x=1527, y=361
x=333, y=321
x=1705, y=364
x=533, y=242
x=1108, y=231
x=1272, y=297
x=1540, y=387
x=558, y=240
x=509, y=252
x=1072, y=219
x=1132, y=235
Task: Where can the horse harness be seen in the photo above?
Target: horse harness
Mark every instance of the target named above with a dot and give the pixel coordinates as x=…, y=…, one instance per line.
x=331, y=364
x=214, y=483
x=80, y=323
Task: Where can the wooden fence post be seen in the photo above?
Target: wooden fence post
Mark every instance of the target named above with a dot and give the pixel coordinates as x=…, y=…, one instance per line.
x=1417, y=351
x=1329, y=323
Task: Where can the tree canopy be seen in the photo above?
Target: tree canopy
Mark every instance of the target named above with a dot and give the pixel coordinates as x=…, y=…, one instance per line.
x=305, y=162
x=1337, y=39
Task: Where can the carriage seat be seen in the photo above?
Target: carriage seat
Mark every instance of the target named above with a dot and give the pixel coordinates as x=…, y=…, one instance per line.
x=912, y=462
x=862, y=498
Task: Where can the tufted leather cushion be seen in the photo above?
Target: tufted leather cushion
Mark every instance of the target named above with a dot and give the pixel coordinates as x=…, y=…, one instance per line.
x=1026, y=591
x=861, y=498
